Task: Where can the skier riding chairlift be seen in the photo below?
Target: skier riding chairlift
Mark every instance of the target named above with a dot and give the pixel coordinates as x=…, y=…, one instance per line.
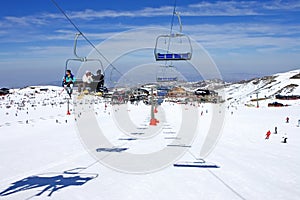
x=86, y=82
x=99, y=78
x=68, y=82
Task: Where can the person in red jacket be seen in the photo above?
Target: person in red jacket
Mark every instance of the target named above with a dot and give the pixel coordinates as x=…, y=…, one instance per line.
x=268, y=134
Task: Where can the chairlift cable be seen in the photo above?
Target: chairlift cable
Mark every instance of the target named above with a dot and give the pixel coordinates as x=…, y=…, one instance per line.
x=171, y=28
x=172, y=21
x=83, y=35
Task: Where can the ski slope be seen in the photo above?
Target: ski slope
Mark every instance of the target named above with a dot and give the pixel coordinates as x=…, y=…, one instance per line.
x=266, y=87
x=43, y=156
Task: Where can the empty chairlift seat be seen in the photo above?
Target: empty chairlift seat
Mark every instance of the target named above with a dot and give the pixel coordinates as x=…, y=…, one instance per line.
x=165, y=51
x=173, y=56
x=166, y=79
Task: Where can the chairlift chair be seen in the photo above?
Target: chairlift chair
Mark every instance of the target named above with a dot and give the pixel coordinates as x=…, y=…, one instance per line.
x=166, y=74
x=164, y=54
x=169, y=54
x=81, y=59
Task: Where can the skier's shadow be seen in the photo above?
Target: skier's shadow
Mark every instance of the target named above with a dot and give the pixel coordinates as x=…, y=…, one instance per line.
x=51, y=182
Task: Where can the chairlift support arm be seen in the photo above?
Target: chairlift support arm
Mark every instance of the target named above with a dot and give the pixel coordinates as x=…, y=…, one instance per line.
x=75, y=48
x=81, y=59
x=179, y=21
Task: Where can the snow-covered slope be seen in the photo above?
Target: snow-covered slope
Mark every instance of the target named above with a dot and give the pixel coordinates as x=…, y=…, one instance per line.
x=43, y=157
x=265, y=88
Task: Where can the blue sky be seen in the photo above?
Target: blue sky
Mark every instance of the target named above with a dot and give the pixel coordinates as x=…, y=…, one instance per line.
x=244, y=38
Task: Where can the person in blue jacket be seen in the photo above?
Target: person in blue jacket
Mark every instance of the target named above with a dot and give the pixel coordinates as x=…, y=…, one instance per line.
x=68, y=82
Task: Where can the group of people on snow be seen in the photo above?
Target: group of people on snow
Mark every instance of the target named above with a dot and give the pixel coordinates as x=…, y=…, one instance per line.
x=88, y=80
x=284, y=138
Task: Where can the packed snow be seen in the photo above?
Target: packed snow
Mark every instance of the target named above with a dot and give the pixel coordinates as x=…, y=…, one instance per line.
x=43, y=156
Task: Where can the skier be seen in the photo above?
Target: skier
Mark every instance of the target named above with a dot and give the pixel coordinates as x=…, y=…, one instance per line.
x=99, y=77
x=86, y=81
x=284, y=139
x=68, y=82
x=287, y=119
x=275, y=130
x=268, y=135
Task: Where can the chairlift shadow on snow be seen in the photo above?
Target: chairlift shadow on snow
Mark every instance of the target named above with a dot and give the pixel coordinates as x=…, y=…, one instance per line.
x=114, y=149
x=51, y=182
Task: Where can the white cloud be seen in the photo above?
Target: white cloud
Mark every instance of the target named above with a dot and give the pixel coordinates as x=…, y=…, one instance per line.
x=24, y=21
x=239, y=8
x=281, y=5
x=204, y=8
x=223, y=8
x=245, y=35
x=90, y=14
x=259, y=36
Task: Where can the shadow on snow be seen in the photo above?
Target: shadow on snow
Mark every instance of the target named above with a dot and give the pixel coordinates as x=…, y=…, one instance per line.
x=51, y=182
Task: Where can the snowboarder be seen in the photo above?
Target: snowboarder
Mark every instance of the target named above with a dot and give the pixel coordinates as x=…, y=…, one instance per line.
x=287, y=119
x=68, y=82
x=268, y=135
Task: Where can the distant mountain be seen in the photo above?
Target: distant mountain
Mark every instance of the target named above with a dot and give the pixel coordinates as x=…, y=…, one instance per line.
x=246, y=91
x=267, y=87
x=212, y=84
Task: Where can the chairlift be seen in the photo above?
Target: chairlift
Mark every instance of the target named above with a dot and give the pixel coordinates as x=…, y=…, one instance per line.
x=166, y=51
x=166, y=74
x=166, y=79
x=81, y=59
